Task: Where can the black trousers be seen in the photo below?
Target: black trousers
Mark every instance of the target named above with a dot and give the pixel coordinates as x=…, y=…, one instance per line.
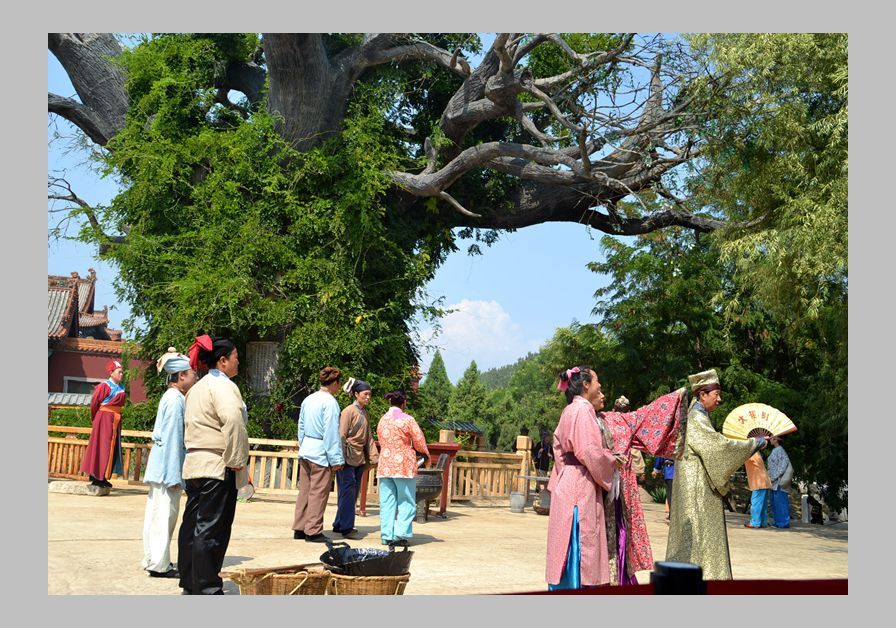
x=669, y=494
x=205, y=533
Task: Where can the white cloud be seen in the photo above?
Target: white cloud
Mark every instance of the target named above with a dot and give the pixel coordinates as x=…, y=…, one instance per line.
x=476, y=330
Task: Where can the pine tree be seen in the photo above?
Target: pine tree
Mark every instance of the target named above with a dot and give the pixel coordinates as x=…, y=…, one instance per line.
x=469, y=402
x=435, y=391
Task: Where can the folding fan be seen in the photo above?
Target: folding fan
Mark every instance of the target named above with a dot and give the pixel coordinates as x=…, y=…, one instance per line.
x=756, y=419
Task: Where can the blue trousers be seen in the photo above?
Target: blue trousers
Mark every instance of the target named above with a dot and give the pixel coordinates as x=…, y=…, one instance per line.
x=572, y=575
x=781, y=508
x=759, y=508
x=397, y=495
x=348, y=481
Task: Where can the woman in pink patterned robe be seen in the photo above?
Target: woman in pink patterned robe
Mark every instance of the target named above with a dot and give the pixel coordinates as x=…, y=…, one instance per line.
x=654, y=429
x=577, y=553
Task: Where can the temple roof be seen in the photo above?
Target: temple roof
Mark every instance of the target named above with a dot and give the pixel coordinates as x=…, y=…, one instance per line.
x=67, y=295
x=457, y=426
x=62, y=300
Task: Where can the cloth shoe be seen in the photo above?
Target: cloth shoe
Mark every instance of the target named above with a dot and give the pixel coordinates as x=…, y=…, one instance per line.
x=750, y=525
x=298, y=534
x=320, y=537
x=171, y=573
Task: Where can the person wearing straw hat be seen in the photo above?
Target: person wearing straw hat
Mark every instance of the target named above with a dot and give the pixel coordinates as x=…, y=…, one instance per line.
x=163, y=469
x=215, y=465
x=706, y=461
x=359, y=450
x=103, y=455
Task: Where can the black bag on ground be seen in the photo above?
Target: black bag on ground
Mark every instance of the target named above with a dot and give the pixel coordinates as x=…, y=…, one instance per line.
x=364, y=561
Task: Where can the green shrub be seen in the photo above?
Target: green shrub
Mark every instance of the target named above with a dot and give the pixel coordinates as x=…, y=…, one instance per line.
x=659, y=494
x=139, y=416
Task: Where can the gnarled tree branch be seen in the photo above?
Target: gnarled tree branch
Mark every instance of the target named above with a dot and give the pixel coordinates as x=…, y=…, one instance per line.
x=82, y=117
x=67, y=194
x=99, y=84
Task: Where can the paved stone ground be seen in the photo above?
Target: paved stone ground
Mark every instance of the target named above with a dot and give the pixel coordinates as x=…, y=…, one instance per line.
x=95, y=546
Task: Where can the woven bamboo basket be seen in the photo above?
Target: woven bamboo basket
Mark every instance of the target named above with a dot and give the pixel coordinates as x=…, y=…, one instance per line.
x=306, y=579
x=305, y=582
x=367, y=585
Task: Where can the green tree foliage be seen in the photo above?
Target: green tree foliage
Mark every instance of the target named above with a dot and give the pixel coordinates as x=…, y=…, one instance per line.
x=776, y=152
x=435, y=391
x=469, y=401
x=499, y=377
x=531, y=400
x=231, y=232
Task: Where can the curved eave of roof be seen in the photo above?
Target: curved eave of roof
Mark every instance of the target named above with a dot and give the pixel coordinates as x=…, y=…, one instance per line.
x=90, y=345
x=96, y=319
x=85, y=294
x=61, y=301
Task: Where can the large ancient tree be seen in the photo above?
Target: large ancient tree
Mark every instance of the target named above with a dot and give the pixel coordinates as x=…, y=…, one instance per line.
x=609, y=125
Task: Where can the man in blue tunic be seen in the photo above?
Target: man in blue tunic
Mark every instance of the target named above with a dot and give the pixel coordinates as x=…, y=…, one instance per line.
x=163, y=470
x=320, y=454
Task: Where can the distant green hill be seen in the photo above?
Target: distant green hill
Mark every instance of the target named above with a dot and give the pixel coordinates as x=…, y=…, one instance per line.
x=500, y=377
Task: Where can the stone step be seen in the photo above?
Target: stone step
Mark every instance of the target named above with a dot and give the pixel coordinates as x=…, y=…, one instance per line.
x=77, y=488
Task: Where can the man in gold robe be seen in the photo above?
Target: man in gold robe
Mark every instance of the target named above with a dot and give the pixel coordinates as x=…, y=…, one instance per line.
x=705, y=462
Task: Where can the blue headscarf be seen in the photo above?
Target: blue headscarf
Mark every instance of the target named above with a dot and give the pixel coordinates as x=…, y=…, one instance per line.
x=173, y=362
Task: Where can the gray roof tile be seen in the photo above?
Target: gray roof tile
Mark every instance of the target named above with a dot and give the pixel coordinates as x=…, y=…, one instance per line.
x=58, y=305
x=68, y=399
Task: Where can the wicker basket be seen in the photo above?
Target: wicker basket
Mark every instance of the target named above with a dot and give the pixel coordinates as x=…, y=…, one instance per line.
x=367, y=585
x=306, y=582
x=307, y=579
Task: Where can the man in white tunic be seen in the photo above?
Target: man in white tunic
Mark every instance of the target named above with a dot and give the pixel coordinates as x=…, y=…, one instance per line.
x=163, y=470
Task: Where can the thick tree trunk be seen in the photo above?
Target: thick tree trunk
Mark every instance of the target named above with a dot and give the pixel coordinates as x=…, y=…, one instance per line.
x=98, y=83
x=309, y=92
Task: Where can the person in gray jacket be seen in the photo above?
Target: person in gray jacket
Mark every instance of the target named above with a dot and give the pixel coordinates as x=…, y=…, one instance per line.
x=780, y=473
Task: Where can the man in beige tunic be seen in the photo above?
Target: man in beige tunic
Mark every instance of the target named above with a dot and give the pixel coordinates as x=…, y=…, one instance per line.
x=706, y=461
x=214, y=468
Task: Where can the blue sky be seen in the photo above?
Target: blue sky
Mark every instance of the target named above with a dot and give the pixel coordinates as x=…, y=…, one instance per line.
x=509, y=300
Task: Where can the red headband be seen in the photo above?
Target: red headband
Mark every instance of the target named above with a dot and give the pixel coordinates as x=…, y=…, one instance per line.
x=201, y=342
